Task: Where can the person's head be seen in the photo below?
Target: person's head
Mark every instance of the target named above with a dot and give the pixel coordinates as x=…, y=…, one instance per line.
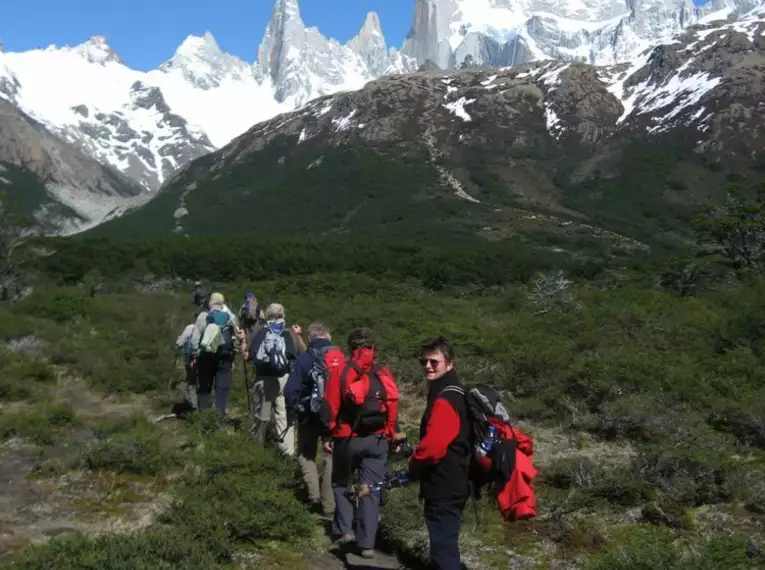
x=318, y=330
x=275, y=312
x=361, y=337
x=436, y=357
x=217, y=300
x=248, y=296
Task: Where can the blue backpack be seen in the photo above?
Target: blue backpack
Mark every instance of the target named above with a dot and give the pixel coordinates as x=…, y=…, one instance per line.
x=220, y=320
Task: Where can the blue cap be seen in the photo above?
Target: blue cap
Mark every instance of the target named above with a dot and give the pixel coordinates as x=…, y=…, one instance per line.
x=249, y=295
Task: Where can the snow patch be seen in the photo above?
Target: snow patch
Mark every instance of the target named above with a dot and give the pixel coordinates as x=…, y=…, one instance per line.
x=458, y=108
x=342, y=123
x=324, y=110
x=552, y=78
x=552, y=121
x=676, y=92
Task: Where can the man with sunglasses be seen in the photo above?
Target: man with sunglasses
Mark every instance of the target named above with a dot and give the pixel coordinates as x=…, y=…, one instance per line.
x=441, y=461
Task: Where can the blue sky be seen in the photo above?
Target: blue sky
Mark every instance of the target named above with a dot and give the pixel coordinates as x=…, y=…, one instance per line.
x=146, y=32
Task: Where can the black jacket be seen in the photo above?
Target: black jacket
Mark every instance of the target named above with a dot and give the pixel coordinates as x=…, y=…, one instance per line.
x=450, y=477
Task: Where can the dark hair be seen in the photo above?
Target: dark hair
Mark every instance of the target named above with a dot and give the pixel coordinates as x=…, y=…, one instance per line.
x=361, y=337
x=438, y=344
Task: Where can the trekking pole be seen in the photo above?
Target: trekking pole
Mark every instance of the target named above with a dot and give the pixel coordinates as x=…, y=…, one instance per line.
x=247, y=386
x=172, y=373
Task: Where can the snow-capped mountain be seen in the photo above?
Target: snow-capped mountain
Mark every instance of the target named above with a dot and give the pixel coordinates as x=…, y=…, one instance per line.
x=625, y=150
x=67, y=190
x=150, y=124
x=508, y=32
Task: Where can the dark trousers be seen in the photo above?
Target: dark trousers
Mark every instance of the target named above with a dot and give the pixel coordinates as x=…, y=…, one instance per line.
x=443, y=518
x=214, y=372
x=368, y=455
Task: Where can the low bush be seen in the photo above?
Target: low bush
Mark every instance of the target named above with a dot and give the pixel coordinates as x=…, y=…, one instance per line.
x=652, y=548
x=138, y=451
x=21, y=377
x=37, y=425
x=240, y=491
x=153, y=549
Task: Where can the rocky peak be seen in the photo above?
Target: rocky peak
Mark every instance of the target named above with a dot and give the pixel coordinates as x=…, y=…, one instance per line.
x=372, y=25
x=201, y=61
x=283, y=39
x=147, y=97
x=97, y=50
x=370, y=45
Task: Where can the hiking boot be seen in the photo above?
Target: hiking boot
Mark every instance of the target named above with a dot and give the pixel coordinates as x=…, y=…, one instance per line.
x=345, y=539
x=367, y=553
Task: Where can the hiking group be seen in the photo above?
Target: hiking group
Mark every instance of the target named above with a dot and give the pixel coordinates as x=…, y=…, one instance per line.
x=337, y=415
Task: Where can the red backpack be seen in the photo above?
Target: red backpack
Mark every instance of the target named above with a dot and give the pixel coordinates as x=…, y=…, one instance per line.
x=366, y=397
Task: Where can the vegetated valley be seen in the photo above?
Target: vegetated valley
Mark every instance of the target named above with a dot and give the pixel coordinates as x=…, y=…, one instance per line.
x=607, y=276
x=640, y=380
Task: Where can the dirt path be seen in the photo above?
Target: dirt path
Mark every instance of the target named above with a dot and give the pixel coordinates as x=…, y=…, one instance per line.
x=23, y=516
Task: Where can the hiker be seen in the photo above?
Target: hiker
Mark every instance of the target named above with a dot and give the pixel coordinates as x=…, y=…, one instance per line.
x=441, y=460
x=363, y=404
x=304, y=395
x=183, y=342
x=198, y=295
x=214, y=351
x=251, y=316
x=272, y=351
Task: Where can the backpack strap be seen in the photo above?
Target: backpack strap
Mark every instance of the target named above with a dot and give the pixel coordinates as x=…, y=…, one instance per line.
x=376, y=370
x=459, y=390
x=350, y=365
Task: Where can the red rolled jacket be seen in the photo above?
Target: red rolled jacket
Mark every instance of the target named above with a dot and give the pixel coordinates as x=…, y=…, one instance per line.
x=515, y=497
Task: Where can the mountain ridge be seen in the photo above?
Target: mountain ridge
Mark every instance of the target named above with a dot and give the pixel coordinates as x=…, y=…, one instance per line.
x=624, y=151
x=150, y=125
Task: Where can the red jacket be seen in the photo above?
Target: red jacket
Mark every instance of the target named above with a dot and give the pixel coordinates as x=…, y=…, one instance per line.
x=443, y=428
x=516, y=499
x=365, y=360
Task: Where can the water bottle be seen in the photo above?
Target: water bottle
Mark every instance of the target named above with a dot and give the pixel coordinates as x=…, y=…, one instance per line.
x=488, y=443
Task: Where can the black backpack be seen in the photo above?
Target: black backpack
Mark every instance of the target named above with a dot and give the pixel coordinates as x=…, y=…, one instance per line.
x=489, y=416
x=372, y=415
x=311, y=403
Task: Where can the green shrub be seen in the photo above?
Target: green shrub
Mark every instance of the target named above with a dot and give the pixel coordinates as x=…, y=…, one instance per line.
x=153, y=549
x=595, y=483
x=689, y=475
x=60, y=307
x=644, y=548
x=38, y=425
x=20, y=377
x=138, y=451
x=238, y=489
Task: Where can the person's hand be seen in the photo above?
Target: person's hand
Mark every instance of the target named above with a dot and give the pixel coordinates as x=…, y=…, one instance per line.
x=399, y=436
x=328, y=447
x=297, y=329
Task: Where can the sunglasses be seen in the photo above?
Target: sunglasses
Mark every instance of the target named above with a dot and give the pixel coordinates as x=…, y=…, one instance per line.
x=433, y=362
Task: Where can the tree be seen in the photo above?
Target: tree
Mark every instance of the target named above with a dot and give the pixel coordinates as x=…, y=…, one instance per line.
x=551, y=291
x=15, y=232
x=737, y=227
x=684, y=276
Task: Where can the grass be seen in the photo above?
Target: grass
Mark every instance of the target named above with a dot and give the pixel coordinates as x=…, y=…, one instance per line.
x=676, y=382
